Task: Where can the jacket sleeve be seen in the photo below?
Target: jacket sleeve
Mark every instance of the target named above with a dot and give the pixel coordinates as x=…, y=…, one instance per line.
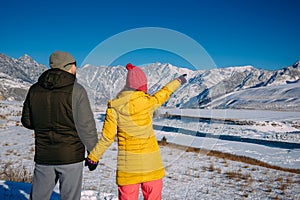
x=26, y=113
x=83, y=117
x=108, y=134
x=164, y=93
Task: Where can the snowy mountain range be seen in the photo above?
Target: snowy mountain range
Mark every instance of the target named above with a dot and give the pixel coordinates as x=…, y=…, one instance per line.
x=16, y=76
x=241, y=87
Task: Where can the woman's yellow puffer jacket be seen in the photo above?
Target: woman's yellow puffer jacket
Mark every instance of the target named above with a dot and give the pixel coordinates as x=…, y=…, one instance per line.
x=130, y=117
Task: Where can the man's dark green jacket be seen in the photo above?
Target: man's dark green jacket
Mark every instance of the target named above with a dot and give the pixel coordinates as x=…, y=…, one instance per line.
x=58, y=110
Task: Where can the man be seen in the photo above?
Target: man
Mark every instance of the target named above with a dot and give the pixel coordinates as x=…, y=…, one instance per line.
x=58, y=110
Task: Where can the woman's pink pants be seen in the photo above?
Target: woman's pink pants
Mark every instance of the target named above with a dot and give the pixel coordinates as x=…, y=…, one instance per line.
x=151, y=190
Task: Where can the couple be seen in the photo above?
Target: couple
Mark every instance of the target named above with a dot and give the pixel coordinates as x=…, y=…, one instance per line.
x=58, y=110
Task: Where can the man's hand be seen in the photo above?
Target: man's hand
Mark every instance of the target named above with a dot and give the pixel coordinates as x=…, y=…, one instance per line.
x=91, y=164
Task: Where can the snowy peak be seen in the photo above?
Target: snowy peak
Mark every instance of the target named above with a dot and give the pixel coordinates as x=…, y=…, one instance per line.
x=31, y=67
x=297, y=64
x=26, y=59
x=17, y=75
x=10, y=67
x=241, y=68
x=290, y=74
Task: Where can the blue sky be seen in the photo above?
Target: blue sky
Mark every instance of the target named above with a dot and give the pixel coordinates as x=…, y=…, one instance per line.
x=262, y=33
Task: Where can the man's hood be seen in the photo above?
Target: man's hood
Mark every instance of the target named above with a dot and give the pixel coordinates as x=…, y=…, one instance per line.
x=56, y=78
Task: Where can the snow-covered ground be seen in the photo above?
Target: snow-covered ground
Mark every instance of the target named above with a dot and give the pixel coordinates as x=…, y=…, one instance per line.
x=269, y=136
x=189, y=175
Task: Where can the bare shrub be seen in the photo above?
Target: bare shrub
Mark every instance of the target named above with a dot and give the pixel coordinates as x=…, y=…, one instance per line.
x=15, y=173
x=163, y=141
x=238, y=176
x=211, y=167
x=3, y=117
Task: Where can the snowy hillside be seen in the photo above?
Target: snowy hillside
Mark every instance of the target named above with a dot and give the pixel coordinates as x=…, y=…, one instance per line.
x=278, y=97
x=241, y=79
x=12, y=89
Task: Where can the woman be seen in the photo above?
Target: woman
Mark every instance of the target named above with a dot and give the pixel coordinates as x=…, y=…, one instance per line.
x=129, y=116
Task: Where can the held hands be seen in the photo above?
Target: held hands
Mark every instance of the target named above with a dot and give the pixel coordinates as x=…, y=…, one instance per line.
x=91, y=164
x=182, y=79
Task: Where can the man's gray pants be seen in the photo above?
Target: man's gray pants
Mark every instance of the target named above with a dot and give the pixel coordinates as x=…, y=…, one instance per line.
x=46, y=176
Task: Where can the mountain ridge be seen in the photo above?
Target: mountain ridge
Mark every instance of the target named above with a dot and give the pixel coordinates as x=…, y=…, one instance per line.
x=203, y=87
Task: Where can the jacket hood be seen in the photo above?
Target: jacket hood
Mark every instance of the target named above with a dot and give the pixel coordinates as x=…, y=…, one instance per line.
x=56, y=78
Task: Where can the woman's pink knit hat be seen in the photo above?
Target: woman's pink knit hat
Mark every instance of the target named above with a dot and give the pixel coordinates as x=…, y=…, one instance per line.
x=136, y=78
